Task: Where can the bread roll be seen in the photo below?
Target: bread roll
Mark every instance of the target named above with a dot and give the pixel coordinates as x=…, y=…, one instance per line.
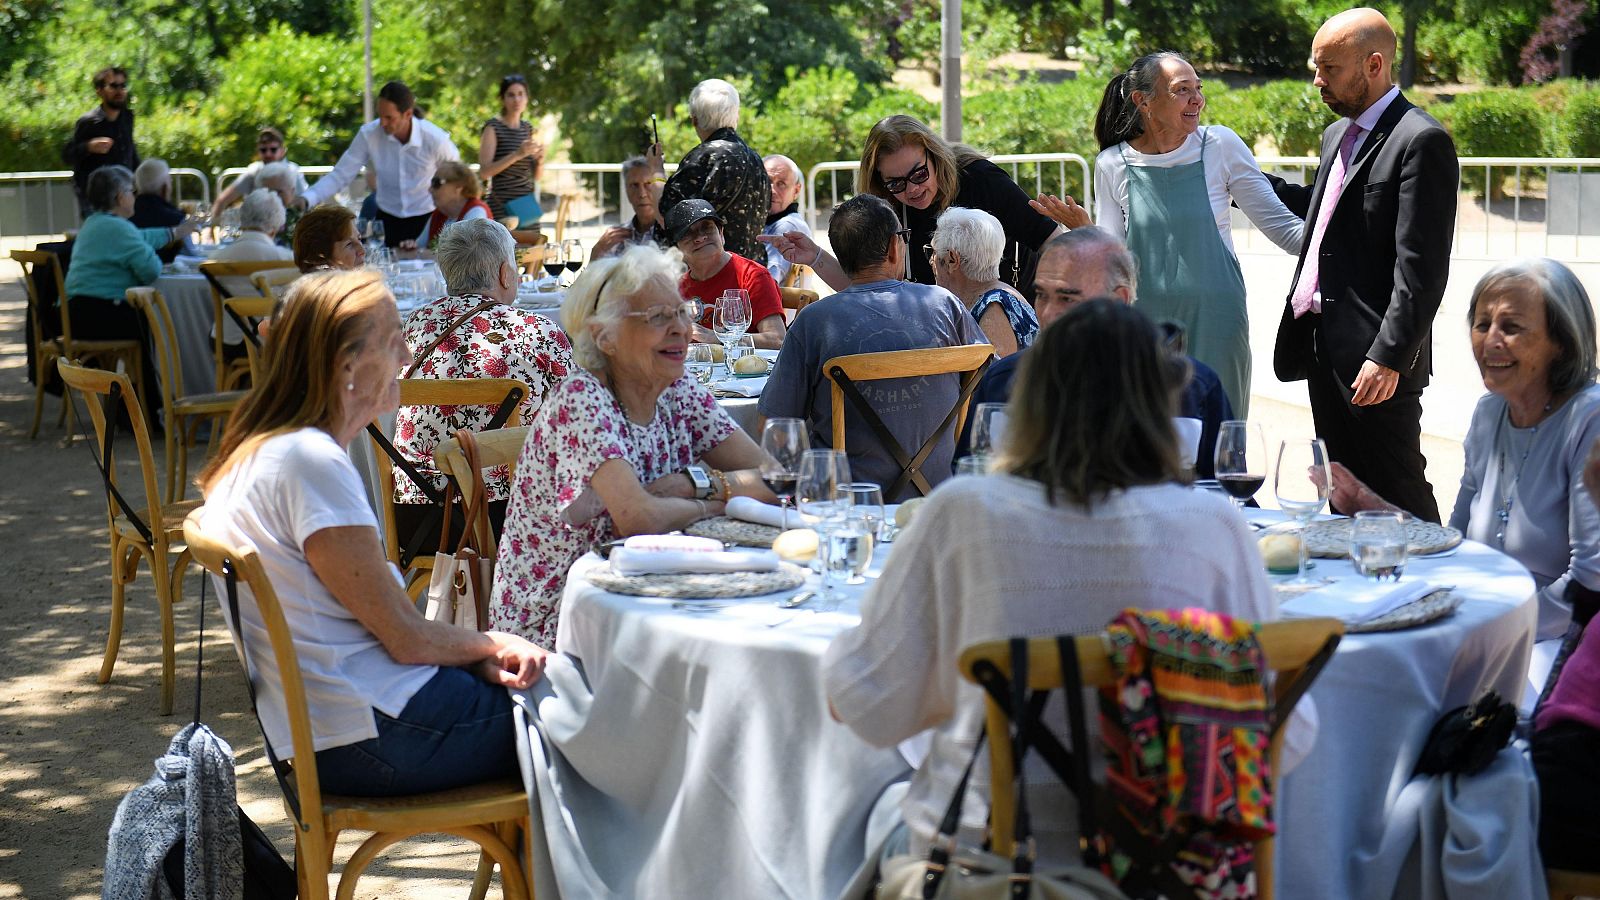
x=797, y=545
x=1281, y=552
x=907, y=512
x=751, y=364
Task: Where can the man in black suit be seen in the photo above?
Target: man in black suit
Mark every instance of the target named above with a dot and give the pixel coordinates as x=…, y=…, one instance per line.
x=1374, y=265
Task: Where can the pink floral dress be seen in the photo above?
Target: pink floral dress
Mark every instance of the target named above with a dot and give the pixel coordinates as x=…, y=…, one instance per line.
x=501, y=342
x=555, y=517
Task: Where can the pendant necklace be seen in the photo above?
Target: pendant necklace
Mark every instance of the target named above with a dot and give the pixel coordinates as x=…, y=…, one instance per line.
x=1508, y=495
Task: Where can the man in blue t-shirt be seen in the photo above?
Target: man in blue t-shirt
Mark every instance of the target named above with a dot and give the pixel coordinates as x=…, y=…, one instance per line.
x=1083, y=264
x=877, y=312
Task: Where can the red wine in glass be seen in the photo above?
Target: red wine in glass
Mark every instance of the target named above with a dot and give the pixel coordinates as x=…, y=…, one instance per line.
x=553, y=269
x=574, y=265
x=1241, y=487
x=781, y=483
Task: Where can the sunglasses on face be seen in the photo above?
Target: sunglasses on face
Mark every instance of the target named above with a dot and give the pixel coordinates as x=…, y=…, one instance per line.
x=664, y=315
x=116, y=85
x=917, y=175
x=437, y=182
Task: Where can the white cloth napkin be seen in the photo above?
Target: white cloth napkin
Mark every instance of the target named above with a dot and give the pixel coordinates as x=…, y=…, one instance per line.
x=671, y=554
x=749, y=509
x=744, y=387
x=1354, y=600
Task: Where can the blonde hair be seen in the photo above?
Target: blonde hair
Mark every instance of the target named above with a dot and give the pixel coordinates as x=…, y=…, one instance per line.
x=454, y=172
x=326, y=317
x=601, y=294
x=945, y=160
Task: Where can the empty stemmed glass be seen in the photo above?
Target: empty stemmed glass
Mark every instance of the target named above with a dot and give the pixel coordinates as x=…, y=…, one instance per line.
x=1302, y=485
x=1241, y=460
x=732, y=320
x=817, y=491
x=785, y=441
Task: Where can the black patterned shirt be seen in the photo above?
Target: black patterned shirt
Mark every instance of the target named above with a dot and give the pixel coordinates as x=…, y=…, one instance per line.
x=726, y=172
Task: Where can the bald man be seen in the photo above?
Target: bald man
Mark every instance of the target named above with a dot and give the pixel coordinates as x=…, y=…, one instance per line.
x=1372, y=271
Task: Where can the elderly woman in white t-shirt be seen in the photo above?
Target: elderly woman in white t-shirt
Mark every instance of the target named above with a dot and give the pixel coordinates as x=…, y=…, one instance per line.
x=398, y=704
x=1075, y=525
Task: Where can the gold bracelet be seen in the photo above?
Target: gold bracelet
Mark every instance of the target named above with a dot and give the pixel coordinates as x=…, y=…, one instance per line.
x=727, y=489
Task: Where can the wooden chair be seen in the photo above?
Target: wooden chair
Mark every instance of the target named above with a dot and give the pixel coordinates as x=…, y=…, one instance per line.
x=969, y=362
x=152, y=532
x=494, y=816
x=107, y=353
x=250, y=311
x=1569, y=885
x=797, y=276
x=218, y=274
x=183, y=412
x=797, y=298
x=508, y=394
x=274, y=283
x=500, y=447
x=1296, y=651
x=563, y=213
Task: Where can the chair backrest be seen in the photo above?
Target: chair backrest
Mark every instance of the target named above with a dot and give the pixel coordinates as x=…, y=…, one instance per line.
x=273, y=282
x=163, y=341
x=221, y=275
x=497, y=447
x=93, y=385
x=797, y=298
x=968, y=361
x=218, y=558
x=797, y=276
x=1295, y=650
x=30, y=260
x=563, y=213
x=437, y=392
x=251, y=310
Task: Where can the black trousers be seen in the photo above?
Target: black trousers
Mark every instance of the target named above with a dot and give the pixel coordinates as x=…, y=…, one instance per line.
x=402, y=228
x=1381, y=445
x=99, y=319
x=1565, y=757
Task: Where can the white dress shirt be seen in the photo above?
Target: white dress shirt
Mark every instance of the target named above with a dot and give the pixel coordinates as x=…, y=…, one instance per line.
x=403, y=169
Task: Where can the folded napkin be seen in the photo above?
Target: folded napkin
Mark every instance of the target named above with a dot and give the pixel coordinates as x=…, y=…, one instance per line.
x=744, y=387
x=671, y=554
x=1354, y=600
x=749, y=509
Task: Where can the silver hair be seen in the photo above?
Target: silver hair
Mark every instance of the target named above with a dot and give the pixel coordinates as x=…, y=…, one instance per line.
x=261, y=211
x=1121, y=267
x=1569, y=315
x=714, y=103
x=974, y=235
x=151, y=175
x=794, y=167
x=471, y=253
x=278, y=172
x=633, y=162
x=105, y=185
x=600, y=296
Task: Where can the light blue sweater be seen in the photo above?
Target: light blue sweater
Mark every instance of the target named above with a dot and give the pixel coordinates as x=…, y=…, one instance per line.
x=111, y=255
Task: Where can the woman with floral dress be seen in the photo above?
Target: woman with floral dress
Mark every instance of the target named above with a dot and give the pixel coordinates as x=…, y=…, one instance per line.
x=616, y=448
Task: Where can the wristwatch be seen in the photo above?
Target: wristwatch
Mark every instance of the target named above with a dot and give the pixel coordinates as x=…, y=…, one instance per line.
x=702, y=481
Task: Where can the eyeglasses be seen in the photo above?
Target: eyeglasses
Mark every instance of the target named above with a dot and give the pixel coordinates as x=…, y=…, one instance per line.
x=116, y=85
x=928, y=251
x=436, y=182
x=904, y=234
x=917, y=175
x=664, y=315
x=509, y=80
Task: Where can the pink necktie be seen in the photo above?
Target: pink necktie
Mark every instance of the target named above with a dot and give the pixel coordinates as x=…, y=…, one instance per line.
x=1304, y=299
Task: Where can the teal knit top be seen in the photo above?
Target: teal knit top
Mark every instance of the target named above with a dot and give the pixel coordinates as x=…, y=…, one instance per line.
x=111, y=255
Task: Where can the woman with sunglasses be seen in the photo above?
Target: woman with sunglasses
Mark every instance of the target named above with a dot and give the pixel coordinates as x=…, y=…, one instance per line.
x=625, y=445
x=456, y=193
x=510, y=158
x=904, y=162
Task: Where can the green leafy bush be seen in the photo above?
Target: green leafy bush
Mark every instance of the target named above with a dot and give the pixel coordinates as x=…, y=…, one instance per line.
x=1579, y=124
x=1499, y=122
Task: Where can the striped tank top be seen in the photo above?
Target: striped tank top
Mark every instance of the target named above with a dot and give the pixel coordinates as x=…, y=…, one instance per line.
x=517, y=179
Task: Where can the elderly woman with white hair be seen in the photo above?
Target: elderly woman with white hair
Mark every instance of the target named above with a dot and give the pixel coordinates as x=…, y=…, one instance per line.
x=626, y=445
x=965, y=255
x=472, y=332
x=261, y=217
x=281, y=178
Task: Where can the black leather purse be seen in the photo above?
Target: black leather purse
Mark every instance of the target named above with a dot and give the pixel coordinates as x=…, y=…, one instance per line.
x=1466, y=739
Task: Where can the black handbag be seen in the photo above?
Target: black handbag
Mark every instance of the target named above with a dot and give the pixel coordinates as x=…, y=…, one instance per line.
x=1466, y=739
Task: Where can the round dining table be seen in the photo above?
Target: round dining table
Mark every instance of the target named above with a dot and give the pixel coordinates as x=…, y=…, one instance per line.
x=685, y=749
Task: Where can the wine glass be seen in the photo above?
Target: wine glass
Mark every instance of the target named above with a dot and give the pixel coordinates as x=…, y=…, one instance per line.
x=785, y=441
x=817, y=490
x=988, y=428
x=732, y=319
x=1302, y=486
x=1241, y=460
x=697, y=359
x=573, y=248
x=554, y=261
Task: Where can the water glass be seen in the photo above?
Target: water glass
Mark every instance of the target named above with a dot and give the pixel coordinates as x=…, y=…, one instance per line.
x=850, y=549
x=1379, y=544
x=739, y=349
x=1302, y=486
x=988, y=428
x=699, y=362
x=817, y=492
x=866, y=504
x=976, y=464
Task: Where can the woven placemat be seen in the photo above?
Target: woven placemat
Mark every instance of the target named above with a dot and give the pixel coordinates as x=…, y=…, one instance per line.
x=1420, y=611
x=1330, y=538
x=701, y=585
x=737, y=531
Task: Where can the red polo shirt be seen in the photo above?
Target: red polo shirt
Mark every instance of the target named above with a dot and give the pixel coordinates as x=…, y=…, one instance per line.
x=738, y=273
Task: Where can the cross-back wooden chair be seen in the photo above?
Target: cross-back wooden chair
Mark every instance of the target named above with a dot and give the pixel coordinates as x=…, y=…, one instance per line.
x=47, y=350
x=184, y=412
x=1295, y=650
x=796, y=298
x=248, y=313
x=275, y=283
x=504, y=395
x=494, y=815
x=563, y=214
x=968, y=362
x=499, y=447
x=1566, y=884
x=223, y=276
x=152, y=531
x=797, y=276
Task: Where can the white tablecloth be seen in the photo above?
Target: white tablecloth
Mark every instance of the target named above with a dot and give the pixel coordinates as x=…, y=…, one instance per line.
x=685, y=754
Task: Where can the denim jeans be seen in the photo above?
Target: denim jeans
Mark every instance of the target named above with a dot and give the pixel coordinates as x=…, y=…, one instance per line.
x=457, y=730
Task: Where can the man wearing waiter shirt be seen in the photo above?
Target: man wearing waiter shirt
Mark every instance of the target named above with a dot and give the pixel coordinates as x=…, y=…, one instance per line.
x=696, y=229
x=403, y=150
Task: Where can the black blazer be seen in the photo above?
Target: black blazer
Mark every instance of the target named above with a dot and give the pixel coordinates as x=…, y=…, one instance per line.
x=1385, y=257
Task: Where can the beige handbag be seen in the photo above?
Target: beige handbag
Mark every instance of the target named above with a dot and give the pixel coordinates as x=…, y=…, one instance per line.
x=458, y=591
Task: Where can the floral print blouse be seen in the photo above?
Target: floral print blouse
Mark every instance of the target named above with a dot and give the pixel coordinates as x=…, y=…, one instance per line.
x=555, y=517
x=501, y=342
x=1023, y=321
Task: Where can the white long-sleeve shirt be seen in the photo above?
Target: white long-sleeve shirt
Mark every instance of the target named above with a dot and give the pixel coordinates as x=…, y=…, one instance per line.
x=403, y=169
x=1231, y=175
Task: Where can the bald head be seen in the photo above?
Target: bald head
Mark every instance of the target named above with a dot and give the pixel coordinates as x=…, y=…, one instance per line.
x=1352, y=53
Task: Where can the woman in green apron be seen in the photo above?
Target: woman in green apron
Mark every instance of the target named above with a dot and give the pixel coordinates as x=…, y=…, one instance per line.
x=1165, y=185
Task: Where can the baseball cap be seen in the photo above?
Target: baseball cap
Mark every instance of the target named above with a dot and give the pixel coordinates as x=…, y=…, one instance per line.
x=686, y=214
